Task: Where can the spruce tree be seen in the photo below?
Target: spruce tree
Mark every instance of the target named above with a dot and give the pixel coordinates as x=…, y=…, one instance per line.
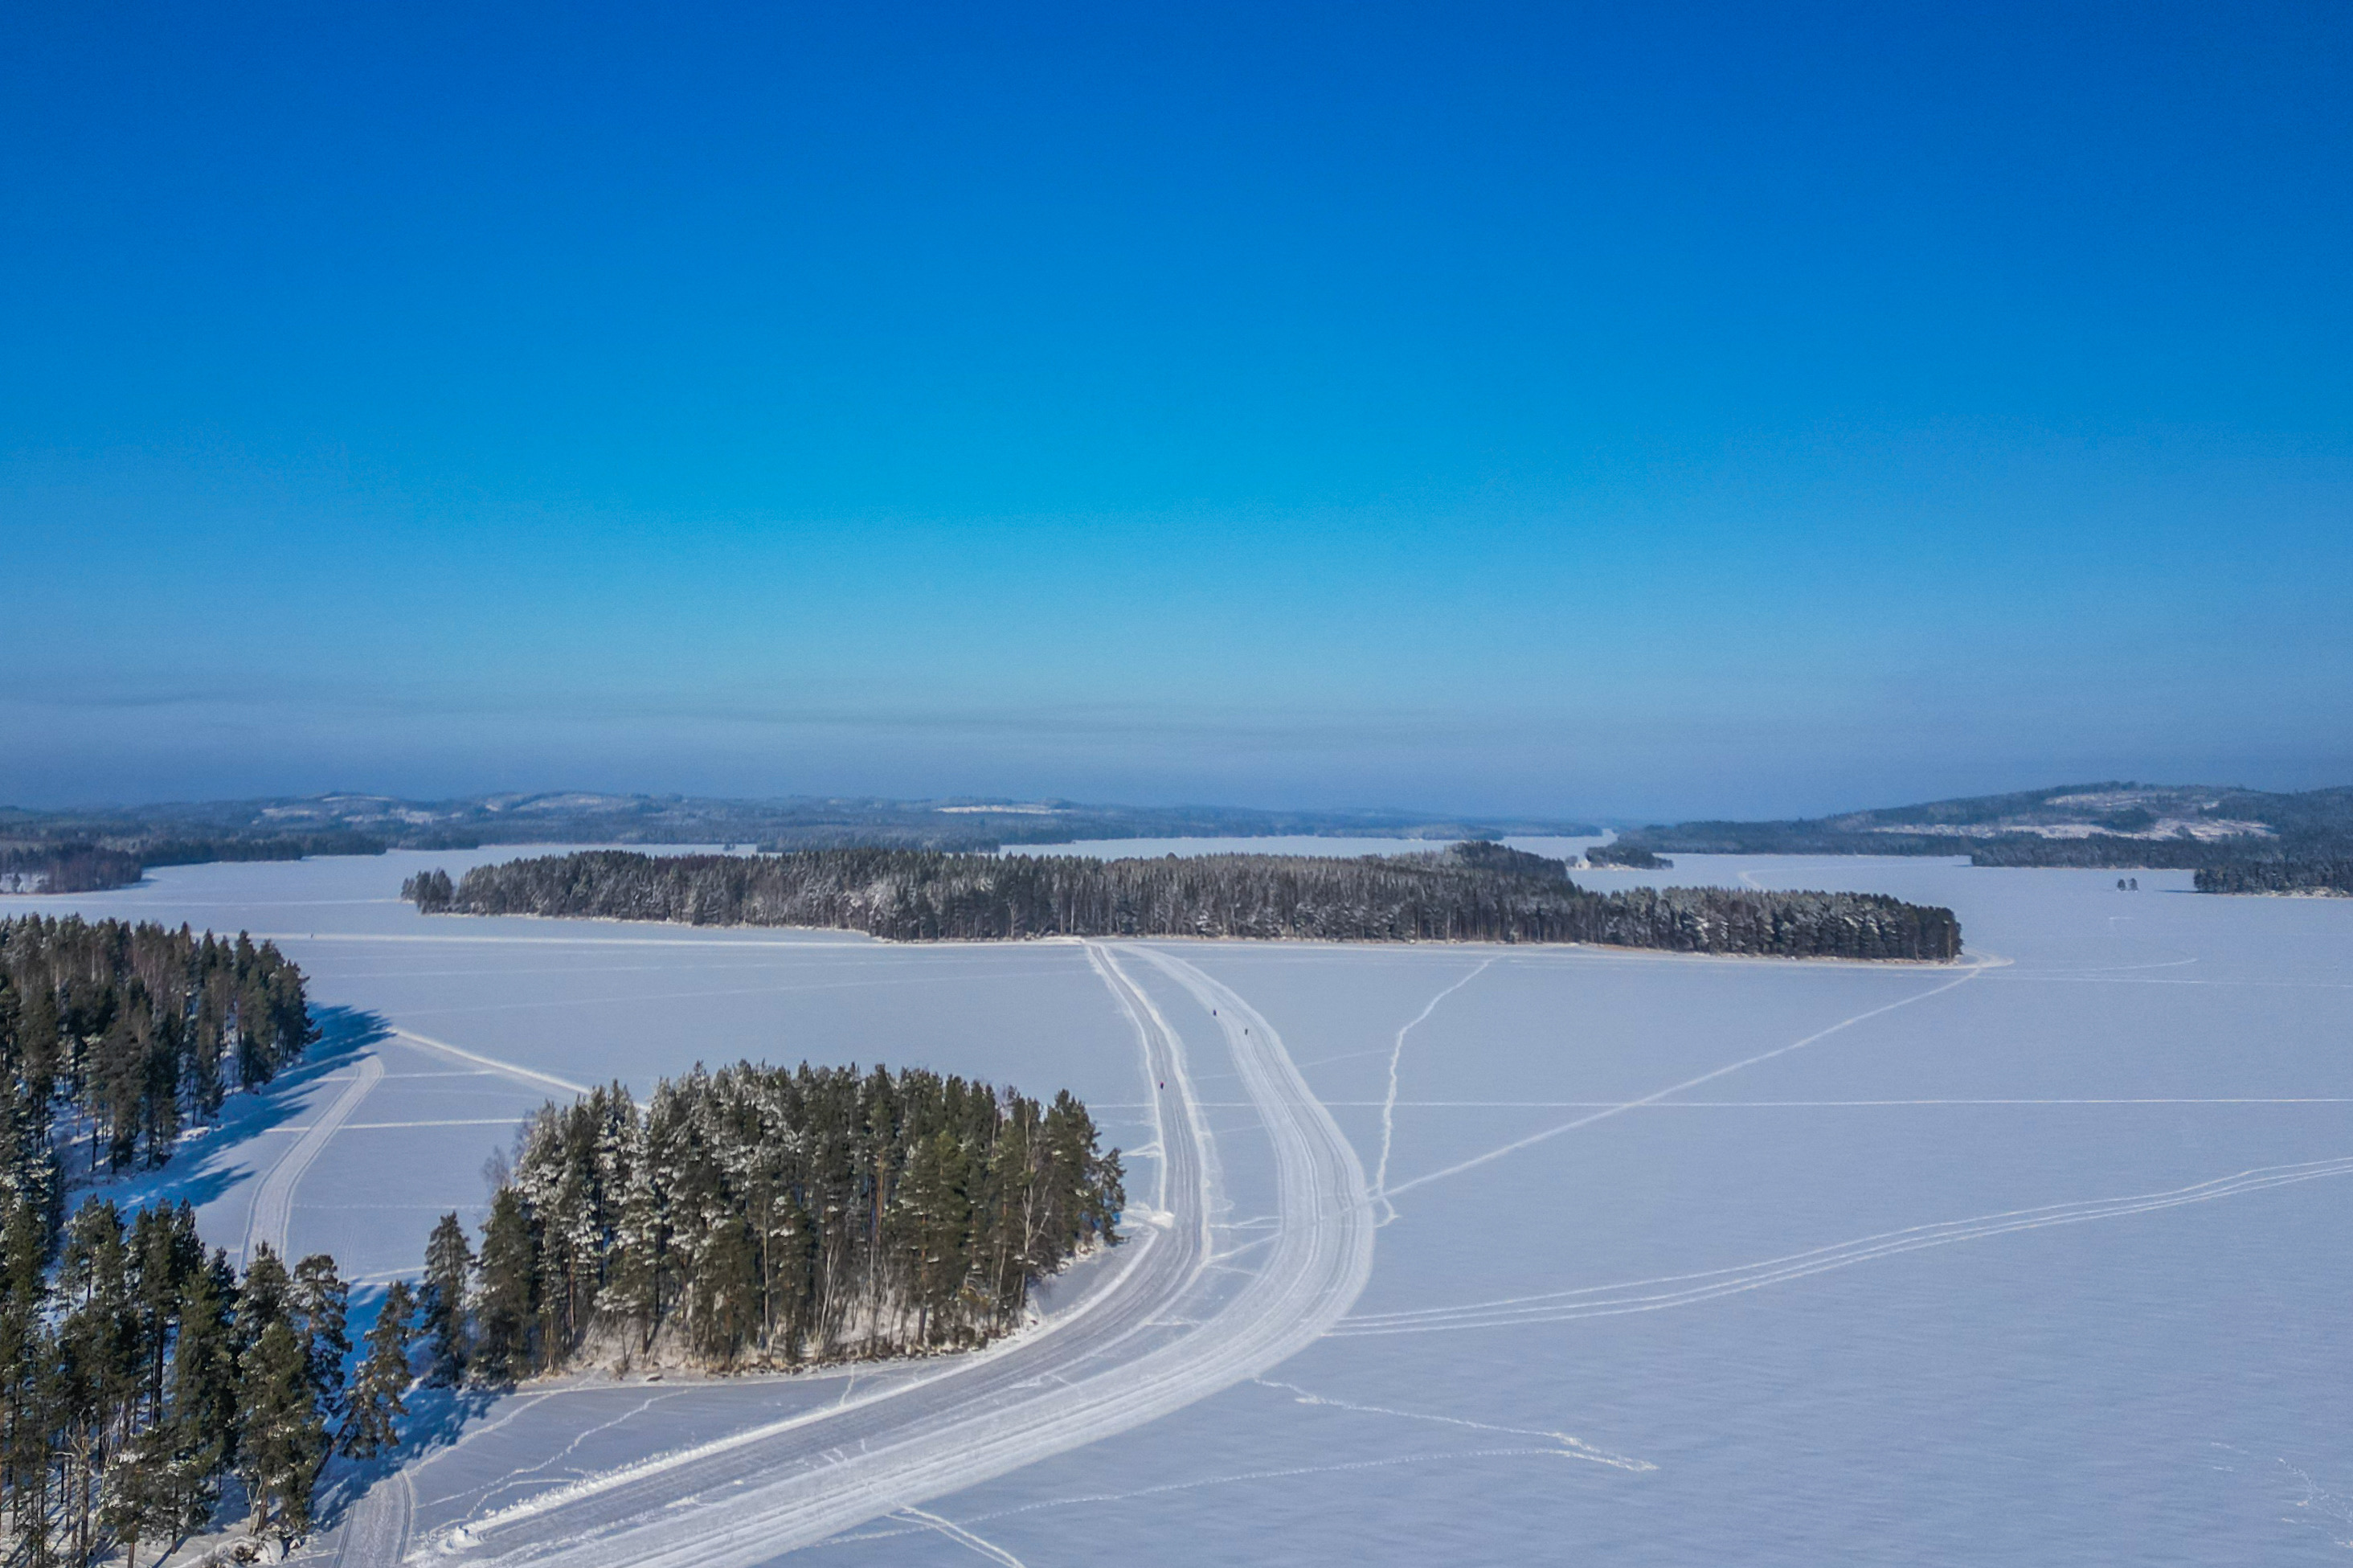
x=506, y=1298
x=632, y=1294
x=724, y=1287
x=448, y=1276
x=265, y=1296
x=372, y=1427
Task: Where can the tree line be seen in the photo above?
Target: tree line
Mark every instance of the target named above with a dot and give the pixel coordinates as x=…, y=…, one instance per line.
x=1472, y=892
x=140, y=1376
x=143, y=1378
x=761, y=1215
x=118, y=1036
x=67, y=868
x=74, y=865
x=2287, y=875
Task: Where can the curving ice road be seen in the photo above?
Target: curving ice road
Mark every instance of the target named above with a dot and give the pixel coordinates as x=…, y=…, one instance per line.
x=1162, y=1335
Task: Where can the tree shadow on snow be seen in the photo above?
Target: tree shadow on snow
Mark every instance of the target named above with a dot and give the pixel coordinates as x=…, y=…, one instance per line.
x=200, y=1171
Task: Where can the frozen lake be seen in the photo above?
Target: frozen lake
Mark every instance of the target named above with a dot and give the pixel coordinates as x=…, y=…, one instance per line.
x=2041, y=1258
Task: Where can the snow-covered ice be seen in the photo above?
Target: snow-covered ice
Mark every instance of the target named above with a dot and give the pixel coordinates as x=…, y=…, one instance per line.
x=2042, y=1257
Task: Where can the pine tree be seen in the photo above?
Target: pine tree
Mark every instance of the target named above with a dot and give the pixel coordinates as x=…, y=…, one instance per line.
x=203, y=1411
x=374, y=1425
x=321, y=1304
x=449, y=1275
x=140, y=1503
x=938, y=1215
x=281, y=1440
x=1470, y=892
x=100, y=1341
x=165, y=1253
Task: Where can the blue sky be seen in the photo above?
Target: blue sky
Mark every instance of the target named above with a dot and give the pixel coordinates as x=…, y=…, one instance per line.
x=1627, y=411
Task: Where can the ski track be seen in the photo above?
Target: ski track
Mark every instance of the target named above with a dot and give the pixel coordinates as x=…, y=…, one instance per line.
x=510, y=1069
x=962, y=1537
x=1570, y=1446
x=1111, y=1365
x=1388, y=1105
x=271, y=1218
x=1709, y=1077
x=1685, y=1289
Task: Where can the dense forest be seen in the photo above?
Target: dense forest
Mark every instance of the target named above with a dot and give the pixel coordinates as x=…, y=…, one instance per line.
x=142, y=1377
x=2322, y=876
x=758, y=1215
x=117, y=1036
x=1474, y=892
x=67, y=868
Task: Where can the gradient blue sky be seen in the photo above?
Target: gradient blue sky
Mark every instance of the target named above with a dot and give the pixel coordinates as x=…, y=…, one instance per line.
x=1629, y=412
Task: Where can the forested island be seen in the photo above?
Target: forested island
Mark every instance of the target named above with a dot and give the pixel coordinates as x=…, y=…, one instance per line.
x=1472, y=892
x=1633, y=856
x=2290, y=876
x=140, y=1376
x=760, y=1216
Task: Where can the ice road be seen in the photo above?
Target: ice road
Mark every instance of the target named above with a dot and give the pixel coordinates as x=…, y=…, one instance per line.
x=1157, y=1338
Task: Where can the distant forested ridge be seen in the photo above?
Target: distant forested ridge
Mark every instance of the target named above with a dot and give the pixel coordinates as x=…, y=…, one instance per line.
x=1472, y=892
x=766, y=1216
x=2331, y=876
x=139, y=1375
x=87, y=851
x=2107, y=825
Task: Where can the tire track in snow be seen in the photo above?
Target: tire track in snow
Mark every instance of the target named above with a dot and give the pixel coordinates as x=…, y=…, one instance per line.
x=747, y=1500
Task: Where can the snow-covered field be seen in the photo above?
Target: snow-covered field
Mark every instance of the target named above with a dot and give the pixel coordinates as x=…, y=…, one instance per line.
x=2044, y=1257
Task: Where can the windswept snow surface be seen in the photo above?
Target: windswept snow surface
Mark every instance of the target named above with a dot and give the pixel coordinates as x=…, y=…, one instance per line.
x=1665, y=1260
